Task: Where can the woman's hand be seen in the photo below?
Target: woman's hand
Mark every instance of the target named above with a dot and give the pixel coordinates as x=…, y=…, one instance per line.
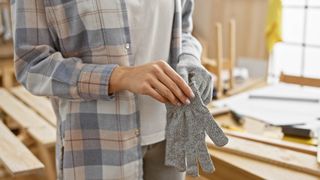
x=156, y=79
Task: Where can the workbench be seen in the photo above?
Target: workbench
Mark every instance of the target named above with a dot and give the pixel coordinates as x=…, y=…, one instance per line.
x=231, y=165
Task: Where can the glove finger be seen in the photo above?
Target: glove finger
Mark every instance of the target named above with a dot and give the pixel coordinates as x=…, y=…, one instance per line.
x=215, y=132
x=171, y=132
x=207, y=122
x=170, y=157
x=180, y=142
x=175, y=156
x=180, y=158
x=204, y=157
x=206, y=95
x=191, y=145
x=205, y=87
x=192, y=166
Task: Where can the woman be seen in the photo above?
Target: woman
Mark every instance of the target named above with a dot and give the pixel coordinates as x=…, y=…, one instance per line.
x=108, y=67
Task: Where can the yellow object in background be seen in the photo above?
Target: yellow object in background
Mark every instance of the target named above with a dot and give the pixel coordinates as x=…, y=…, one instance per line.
x=233, y=128
x=274, y=23
x=310, y=141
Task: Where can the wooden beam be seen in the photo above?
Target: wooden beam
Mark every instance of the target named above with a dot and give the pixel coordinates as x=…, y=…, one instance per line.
x=300, y=80
x=229, y=166
x=270, y=154
x=249, y=85
x=40, y=104
x=232, y=49
x=312, y=150
x=35, y=125
x=219, y=84
x=15, y=157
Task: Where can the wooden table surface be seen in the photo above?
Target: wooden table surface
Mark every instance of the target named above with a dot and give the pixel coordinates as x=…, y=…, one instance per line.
x=231, y=166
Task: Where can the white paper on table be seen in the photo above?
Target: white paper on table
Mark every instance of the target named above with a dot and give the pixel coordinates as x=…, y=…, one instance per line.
x=276, y=112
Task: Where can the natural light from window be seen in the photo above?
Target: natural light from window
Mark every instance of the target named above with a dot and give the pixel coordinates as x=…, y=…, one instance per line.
x=299, y=54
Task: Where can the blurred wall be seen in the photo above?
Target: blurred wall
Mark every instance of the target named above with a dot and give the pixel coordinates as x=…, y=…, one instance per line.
x=250, y=16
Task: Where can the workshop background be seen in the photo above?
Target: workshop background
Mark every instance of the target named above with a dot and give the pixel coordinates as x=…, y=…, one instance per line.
x=265, y=57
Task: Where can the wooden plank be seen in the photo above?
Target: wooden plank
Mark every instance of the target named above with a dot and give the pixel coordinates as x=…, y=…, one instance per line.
x=300, y=80
x=249, y=85
x=7, y=77
x=7, y=72
x=35, y=125
x=3, y=172
x=218, y=111
x=318, y=147
x=48, y=161
x=274, y=155
x=275, y=142
x=219, y=84
x=15, y=157
x=6, y=51
x=232, y=51
x=40, y=104
x=229, y=166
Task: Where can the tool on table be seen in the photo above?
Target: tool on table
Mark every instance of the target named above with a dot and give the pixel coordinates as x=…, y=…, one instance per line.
x=267, y=97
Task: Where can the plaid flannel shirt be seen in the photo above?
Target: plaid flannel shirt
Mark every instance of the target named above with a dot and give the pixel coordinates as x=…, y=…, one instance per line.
x=66, y=50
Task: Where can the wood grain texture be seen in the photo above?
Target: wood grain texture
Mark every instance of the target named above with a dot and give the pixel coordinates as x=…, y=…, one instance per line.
x=35, y=125
x=40, y=104
x=250, y=16
x=15, y=157
x=304, y=81
x=232, y=52
x=232, y=166
x=274, y=155
x=312, y=150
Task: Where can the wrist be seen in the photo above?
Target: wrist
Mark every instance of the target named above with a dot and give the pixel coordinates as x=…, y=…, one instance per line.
x=117, y=79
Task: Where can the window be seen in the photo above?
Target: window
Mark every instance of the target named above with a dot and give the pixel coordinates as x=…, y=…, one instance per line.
x=299, y=53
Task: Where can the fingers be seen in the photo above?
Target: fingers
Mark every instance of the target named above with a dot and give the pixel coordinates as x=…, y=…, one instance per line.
x=165, y=92
x=155, y=94
x=178, y=80
x=156, y=79
x=168, y=82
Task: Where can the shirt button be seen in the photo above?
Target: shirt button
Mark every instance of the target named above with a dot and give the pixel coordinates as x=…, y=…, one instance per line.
x=137, y=132
x=127, y=46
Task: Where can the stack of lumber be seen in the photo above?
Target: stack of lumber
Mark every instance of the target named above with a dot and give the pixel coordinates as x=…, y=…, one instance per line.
x=255, y=156
x=35, y=121
x=7, y=78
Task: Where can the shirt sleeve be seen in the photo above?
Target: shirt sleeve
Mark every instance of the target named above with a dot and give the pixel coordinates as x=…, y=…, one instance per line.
x=190, y=45
x=42, y=69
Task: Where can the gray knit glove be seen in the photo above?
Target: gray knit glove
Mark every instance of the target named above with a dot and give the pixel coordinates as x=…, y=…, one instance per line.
x=185, y=135
x=199, y=122
x=176, y=138
x=187, y=65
